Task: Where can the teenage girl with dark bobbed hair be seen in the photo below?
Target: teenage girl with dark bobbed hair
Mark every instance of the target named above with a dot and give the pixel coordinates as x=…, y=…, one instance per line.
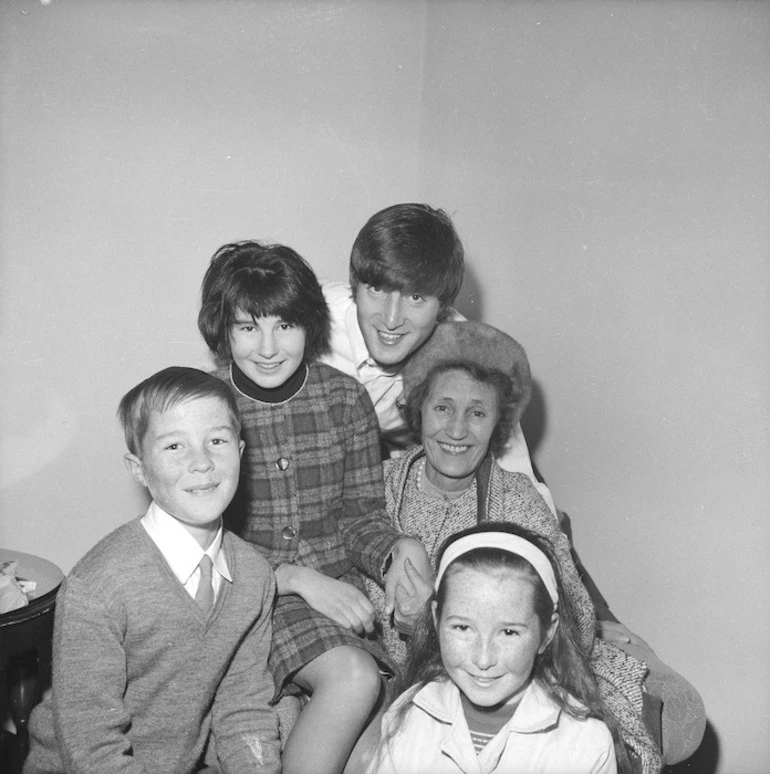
x=262, y=280
x=310, y=494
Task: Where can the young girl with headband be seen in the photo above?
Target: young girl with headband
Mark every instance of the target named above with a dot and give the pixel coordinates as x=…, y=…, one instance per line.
x=496, y=680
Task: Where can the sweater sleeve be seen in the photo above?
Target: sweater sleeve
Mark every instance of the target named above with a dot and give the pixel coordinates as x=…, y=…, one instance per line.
x=244, y=725
x=365, y=527
x=89, y=681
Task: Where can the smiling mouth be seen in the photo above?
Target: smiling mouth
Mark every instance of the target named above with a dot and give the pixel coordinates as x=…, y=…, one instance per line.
x=268, y=366
x=202, y=489
x=390, y=338
x=483, y=680
x=452, y=448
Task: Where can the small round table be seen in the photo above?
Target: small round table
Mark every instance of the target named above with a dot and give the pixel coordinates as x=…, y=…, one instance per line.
x=26, y=641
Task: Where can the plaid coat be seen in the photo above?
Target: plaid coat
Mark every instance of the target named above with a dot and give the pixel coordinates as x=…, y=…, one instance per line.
x=311, y=493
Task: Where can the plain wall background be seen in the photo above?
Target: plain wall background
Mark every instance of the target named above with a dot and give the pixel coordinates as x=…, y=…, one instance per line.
x=606, y=164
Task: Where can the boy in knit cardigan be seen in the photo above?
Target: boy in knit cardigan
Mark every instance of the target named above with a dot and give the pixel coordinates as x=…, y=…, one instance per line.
x=163, y=629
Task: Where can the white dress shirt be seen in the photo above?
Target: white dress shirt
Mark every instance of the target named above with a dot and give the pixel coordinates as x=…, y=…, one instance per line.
x=182, y=552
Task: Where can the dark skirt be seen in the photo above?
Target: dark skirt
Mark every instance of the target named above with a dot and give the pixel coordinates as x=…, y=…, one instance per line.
x=301, y=634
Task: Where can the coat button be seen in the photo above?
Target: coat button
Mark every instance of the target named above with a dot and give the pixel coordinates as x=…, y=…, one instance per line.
x=282, y=463
x=288, y=533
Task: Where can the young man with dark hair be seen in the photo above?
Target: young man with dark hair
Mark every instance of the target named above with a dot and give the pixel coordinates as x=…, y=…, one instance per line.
x=406, y=269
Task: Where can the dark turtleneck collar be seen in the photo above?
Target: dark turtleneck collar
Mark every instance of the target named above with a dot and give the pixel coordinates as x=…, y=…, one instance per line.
x=269, y=395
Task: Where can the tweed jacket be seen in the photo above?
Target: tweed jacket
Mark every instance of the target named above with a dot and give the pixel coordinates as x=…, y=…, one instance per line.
x=511, y=497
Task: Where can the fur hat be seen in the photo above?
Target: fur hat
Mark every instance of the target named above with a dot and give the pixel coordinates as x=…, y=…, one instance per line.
x=473, y=342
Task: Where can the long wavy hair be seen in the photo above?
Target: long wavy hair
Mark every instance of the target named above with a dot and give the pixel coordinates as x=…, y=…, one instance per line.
x=562, y=669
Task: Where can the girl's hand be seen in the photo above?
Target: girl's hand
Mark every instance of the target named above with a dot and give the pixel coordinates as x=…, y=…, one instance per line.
x=343, y=603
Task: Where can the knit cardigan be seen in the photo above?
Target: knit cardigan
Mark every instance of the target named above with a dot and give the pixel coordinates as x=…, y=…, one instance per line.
x=511, y=497
x=141, y=675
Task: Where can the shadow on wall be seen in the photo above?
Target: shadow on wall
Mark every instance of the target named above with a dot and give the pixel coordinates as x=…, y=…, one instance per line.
x=704, y=760
x=534, y=421
x=469, y=302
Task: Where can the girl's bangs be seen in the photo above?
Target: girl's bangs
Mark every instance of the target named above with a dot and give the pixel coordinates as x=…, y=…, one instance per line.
x=262, y=300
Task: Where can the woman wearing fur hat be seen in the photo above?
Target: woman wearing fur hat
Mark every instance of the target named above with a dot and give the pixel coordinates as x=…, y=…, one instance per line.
x=465, y=389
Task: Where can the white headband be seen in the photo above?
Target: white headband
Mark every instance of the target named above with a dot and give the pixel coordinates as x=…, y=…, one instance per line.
x=505, y=542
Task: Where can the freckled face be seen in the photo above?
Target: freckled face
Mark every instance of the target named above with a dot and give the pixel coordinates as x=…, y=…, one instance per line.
x=459, y=415
x=267, y=349
x=394, y=324
x=190, y=462
x=489, y=633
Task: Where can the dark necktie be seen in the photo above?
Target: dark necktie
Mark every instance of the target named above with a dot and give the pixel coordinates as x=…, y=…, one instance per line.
x=204, y=596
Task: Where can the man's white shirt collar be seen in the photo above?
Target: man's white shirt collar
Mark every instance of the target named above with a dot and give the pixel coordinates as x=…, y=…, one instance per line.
x=359, y=351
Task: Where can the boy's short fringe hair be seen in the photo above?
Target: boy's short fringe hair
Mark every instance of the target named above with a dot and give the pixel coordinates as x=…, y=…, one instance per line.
x=165, y=390
x=262, y=280
x=411, y=248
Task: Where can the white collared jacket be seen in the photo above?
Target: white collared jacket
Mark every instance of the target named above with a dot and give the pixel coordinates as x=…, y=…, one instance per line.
x=539, y=739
